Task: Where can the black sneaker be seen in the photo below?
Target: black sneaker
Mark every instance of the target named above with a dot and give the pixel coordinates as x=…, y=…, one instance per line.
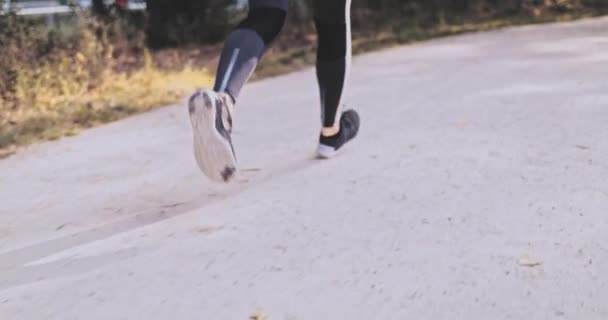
x=349, y=127
x=211, y=118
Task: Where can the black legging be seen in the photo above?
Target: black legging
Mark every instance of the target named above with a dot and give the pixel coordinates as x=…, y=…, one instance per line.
x=246, y=45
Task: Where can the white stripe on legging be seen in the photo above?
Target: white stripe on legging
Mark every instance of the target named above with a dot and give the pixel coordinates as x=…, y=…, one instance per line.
x=228, y=74
x=348, y=61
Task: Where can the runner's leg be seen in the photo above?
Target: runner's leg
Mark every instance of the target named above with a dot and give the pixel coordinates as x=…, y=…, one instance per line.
x=246, y=45
x=332, y=20
x=211, y=111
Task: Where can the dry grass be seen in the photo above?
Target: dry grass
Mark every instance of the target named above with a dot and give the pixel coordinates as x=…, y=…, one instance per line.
x=117, y=96
x=83, y=89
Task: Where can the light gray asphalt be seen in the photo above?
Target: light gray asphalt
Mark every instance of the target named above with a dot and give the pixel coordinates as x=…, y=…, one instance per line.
x=478, y=190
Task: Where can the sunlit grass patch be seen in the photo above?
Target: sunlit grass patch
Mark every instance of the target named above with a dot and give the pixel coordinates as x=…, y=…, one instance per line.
x=61, y=98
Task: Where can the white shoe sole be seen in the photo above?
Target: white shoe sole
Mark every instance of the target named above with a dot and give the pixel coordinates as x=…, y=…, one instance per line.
x=326, y=152
x=214, y=154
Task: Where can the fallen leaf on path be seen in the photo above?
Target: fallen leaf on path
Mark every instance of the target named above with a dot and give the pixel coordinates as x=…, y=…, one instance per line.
x=208, y=229
x=258, y=316
x=529, y=262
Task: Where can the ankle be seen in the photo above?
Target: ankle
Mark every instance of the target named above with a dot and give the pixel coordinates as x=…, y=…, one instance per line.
x=226, y=96
x=231, y=97
x=330, y=131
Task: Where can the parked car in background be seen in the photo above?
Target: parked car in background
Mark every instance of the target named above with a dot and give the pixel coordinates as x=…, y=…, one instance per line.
x=41, y=7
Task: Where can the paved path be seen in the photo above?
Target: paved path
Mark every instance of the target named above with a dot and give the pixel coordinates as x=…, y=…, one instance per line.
x=477, y=190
